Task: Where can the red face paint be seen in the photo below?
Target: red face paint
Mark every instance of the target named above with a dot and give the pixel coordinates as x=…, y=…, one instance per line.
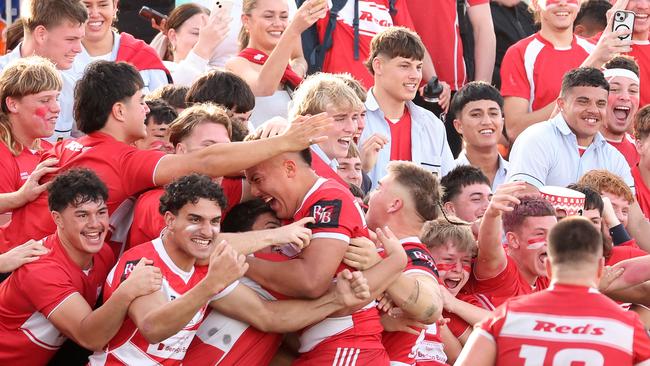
x=536, y=243
x=451, y=266
x=41, y=112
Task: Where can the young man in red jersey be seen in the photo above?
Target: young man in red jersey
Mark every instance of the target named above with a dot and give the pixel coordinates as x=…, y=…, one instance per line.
x=294, y=191
x=44, y=302
x=404, y=200
x=162, y=325
x=199, y=126
x=500, y=272
x=110, y=109
x=570, y=322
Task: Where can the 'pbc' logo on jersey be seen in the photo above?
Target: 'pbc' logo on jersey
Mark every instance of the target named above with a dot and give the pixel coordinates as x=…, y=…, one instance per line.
x=326, y=213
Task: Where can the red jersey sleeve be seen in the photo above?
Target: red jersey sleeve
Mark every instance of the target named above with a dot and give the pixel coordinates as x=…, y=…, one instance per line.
x=491, y=327
x=138, y=168
x=477, y=2
x=514, y=81
x=147, y=220
x=456, y=324
x=419, y=261
x=502, y=285
x=403, y=17
x=233, y=189
x=46, y=287
x=9, y=174
x=337, y=216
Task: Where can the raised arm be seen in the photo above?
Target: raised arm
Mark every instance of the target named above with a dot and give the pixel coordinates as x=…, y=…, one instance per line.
x=224, y=159
x=266, y=81
x=93, y=329
x=492, y=259
x=485, y=41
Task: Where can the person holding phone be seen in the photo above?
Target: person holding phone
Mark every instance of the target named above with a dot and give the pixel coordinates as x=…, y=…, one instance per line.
x=271, y=59
x=192, y=34
x=103, y=43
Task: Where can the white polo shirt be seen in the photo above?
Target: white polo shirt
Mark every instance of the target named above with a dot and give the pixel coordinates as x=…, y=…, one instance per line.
x=546, y=153
x=502, y=171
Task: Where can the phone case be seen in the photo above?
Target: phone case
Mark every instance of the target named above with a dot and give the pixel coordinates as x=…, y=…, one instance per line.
x=623, y=20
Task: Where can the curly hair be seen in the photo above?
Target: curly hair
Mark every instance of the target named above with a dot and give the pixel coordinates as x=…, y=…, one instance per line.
x=603, y=180
x=189, y=189
x=75, y=187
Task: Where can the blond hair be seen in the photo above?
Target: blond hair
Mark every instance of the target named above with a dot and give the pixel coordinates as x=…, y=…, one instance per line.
x=320, y=90
x=22, y=77
x=195, y=115
x=244, y=38
x=440, y=232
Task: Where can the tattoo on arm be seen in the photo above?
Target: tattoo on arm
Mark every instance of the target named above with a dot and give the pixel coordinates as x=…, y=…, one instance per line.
x=415, y=295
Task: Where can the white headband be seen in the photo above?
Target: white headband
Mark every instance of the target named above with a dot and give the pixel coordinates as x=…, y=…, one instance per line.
x=611, y=73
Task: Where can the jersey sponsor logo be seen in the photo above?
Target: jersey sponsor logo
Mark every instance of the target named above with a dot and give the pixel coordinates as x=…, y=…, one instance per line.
x=544, y=326
x=128, y=268
x=326, y=213
x=420, y=258
x=608, y=332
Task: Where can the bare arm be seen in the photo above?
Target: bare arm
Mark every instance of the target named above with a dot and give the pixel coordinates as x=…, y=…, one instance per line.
x=479, y=351
x=470, y=313
x=418, y=296
x=639, y=227
x=307, y=276
x=285, y=316
x=93, y=329
x=452, y=344
x=636, y=294
x=492, y=259
x=251, y=241
x=218, y=160
x=266, y=81
x=518, y=118
x=485, y=41
x=157, y=318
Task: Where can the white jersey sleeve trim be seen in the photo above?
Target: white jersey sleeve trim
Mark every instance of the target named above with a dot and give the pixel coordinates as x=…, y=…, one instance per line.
x=482, y=332
x=61, y=302
x=337, y=236
x=225, y=292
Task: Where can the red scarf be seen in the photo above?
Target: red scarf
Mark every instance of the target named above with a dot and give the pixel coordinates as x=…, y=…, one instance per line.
x=258, y=57
x=139, y=54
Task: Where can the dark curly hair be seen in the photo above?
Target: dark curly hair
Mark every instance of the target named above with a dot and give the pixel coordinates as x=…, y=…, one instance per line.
x=189, y=189
x=75, y=187
x=242, y=216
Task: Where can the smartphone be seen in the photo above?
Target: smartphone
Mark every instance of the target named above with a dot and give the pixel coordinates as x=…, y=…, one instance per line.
x=623, y=20
x=148, y=13
x=225, y=7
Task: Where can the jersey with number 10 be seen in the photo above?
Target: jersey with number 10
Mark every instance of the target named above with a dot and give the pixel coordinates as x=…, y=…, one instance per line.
x=566, y=325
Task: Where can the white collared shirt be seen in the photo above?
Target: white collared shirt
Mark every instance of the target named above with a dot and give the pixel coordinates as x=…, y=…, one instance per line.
x=546, y=153
x=332, y=163
x=429, y=147
x=502, y=170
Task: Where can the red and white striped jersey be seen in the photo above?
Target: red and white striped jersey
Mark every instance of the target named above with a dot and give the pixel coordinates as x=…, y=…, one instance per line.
x=566, y=325
x=533, y=68
x=129, y=347
x=225, y=341
x=337, y=216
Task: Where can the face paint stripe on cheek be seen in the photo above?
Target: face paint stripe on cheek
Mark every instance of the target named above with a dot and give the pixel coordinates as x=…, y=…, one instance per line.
x=451, y=266
x=537, y=243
